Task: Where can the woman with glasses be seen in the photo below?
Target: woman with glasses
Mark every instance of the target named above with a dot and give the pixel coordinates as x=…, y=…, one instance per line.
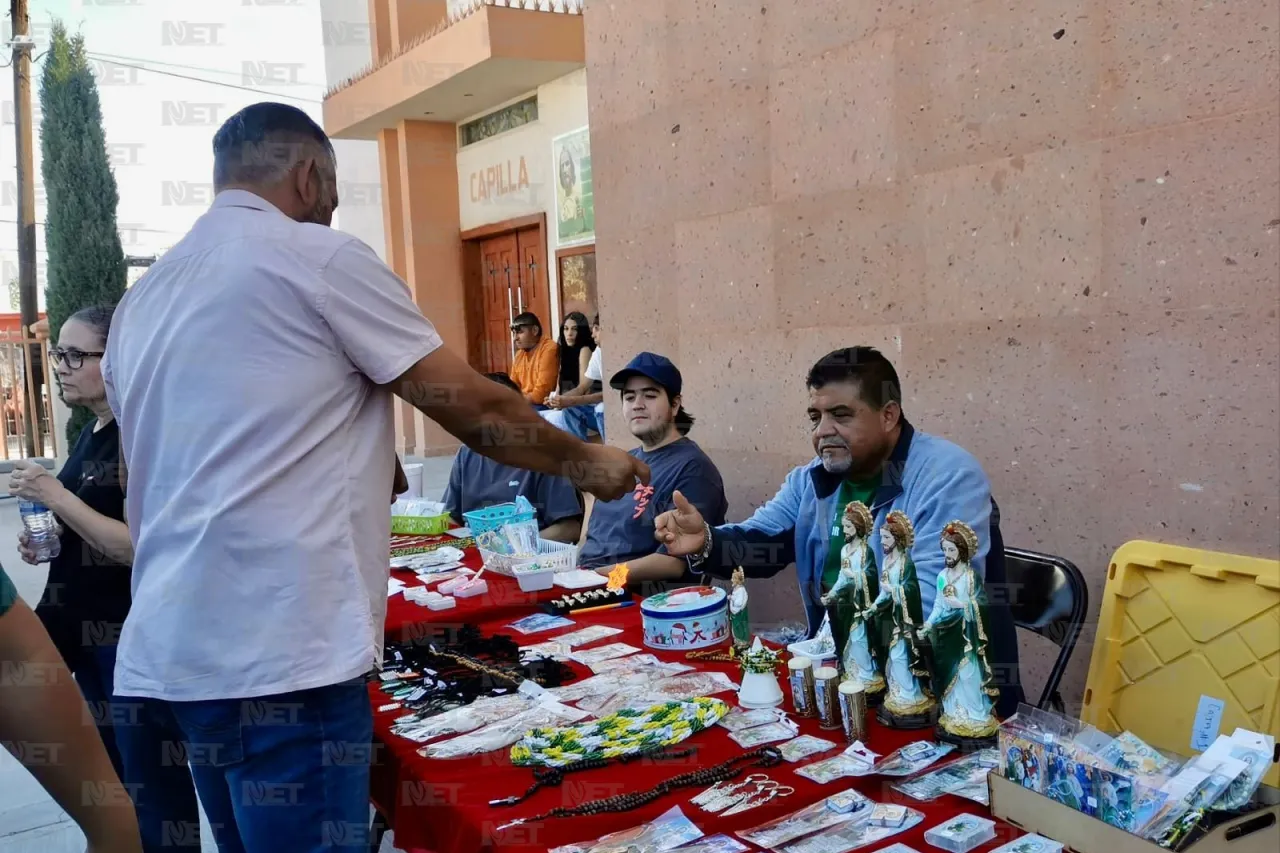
x=87, y=597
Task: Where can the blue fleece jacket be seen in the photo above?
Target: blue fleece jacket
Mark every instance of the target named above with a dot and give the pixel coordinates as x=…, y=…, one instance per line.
x=930, y=479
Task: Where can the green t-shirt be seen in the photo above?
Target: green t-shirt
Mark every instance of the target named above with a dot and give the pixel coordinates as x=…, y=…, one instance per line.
x=863, y=490
x=8, y=592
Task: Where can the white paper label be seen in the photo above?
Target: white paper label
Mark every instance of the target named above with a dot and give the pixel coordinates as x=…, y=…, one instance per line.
x=1207, y=724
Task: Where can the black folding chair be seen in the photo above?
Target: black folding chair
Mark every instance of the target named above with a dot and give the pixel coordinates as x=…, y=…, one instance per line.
x=1048, y=596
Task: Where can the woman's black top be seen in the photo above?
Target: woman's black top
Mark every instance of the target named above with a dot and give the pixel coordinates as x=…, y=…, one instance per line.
x=88, y=597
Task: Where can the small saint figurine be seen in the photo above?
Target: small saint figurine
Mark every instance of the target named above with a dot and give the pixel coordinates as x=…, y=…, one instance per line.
x=907, y=703
x=739, y=624
x=957, y=629
x=857, y=588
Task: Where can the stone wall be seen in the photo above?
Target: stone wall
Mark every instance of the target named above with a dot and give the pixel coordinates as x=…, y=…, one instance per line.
x=1060, y=220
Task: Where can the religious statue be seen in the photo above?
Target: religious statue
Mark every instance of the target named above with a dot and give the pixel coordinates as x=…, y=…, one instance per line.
x=957, y=629
x=739, y=624
x=907, y=703
x=855, y=635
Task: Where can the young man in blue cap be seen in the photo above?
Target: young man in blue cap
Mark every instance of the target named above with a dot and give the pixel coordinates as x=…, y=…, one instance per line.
x=622, y=531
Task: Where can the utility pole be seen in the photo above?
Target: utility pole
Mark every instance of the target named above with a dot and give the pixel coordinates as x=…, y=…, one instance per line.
x=22, y=45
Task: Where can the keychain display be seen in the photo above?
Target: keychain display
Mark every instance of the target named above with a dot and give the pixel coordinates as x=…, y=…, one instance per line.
x=756, y=790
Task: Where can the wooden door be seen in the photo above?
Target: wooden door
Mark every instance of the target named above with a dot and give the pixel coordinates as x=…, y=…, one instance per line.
x=532, y=293
x=499, y=275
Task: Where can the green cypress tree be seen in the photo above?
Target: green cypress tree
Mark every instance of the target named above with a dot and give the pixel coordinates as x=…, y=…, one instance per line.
x=86, y=263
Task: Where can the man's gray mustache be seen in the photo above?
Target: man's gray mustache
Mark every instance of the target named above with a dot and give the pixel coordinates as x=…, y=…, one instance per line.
x=825, y=443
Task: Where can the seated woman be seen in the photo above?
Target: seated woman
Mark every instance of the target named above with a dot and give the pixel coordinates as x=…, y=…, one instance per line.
x=581, y=409
x=576, y=346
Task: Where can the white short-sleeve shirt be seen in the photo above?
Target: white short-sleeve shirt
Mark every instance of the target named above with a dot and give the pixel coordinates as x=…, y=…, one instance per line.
x=595, y=372
x=246, y=372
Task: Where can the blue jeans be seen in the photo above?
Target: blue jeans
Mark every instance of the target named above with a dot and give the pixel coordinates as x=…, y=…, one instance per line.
x=161, y=789
x=279, y=773
x=579, y=420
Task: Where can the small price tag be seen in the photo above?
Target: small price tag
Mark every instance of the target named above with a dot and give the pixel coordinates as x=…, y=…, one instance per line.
x=1207, y=724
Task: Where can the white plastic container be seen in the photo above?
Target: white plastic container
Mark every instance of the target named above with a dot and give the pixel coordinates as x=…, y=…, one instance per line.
x=535, y=577
x=559, y=556
x=413, y=473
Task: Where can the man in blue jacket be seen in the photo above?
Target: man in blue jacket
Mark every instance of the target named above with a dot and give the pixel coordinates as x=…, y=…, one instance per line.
x=867, y=451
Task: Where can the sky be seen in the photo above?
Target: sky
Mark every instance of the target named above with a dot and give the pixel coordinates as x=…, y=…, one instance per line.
x=169, y=72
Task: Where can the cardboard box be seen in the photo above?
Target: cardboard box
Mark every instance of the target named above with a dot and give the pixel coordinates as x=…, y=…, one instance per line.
x=1257, y=832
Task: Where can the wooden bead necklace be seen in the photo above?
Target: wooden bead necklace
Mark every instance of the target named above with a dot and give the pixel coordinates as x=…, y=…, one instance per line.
x=765, y=756
x=551, y=777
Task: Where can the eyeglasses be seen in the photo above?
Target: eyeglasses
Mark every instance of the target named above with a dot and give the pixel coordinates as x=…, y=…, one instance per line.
x=73, y=357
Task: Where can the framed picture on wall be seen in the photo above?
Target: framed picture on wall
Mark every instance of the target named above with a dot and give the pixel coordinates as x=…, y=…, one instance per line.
x=575, y=199
x=577, y=277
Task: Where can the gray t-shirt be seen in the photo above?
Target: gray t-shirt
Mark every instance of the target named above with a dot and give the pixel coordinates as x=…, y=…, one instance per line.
x=248, y=371
x=477, y=481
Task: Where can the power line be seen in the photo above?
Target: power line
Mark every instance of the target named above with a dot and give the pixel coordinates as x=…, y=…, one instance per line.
x=147, y=230
x=108, y=57
x=160, y=71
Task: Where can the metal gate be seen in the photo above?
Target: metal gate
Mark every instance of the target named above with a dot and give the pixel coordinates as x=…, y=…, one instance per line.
x=20, y=402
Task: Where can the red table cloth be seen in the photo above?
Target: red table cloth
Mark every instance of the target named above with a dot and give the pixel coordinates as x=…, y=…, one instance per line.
x=505, y=600
x=441, y=806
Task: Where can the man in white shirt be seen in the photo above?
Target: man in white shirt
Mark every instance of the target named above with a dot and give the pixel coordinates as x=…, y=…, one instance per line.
x=581, y=410
x=251, y=371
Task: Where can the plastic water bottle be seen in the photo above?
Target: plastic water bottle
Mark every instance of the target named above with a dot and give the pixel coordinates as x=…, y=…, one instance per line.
x=42, y=530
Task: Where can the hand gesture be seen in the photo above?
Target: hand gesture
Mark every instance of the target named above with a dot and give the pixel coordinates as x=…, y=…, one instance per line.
x=682, y=529
x=607, y=472
x=826, y=600
x=31, y=481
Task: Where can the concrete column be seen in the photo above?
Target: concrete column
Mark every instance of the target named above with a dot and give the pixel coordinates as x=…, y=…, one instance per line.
x=432, y=248
x=412, y=18
x=380, y=43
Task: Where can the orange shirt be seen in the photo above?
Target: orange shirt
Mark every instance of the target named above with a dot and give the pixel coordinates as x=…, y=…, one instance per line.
x=537, y=371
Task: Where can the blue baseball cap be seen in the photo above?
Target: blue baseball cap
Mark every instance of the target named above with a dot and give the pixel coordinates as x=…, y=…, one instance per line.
x=651, y=366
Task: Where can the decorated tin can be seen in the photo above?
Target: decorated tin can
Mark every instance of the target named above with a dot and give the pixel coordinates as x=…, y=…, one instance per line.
x=691, y=618
x=853, y=711
x=800, y=675
x=826, y=684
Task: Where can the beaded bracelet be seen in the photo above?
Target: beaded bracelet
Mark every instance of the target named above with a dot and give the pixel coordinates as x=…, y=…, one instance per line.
x=766, y=756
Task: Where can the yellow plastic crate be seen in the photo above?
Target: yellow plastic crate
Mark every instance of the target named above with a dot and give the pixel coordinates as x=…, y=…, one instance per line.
x=1178, y=624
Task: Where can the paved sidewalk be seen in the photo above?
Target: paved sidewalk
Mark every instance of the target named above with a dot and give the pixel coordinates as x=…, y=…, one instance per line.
x=30, y=822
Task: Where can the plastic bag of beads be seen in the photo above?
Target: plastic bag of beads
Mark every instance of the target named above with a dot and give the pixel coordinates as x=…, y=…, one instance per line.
x=965, y=778
x=715, y=844
x=668, y=832
x=503, y=733
x=461, y=720
x=912, y=758
x=823, y=814
x=676, y=688
x=854, y=835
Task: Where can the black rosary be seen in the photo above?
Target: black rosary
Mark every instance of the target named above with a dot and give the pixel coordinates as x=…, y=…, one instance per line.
x=765, y=756
x=551, y=777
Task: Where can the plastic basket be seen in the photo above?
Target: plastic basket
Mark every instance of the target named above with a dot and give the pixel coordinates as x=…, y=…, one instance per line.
x=494, y=517
x=556, y=556
x=420, y=525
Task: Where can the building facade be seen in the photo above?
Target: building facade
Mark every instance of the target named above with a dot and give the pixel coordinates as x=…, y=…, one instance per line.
x=475, y=115
x=1060, y=220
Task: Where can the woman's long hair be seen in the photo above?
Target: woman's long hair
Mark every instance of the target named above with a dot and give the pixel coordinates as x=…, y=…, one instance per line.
x=569, y=352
